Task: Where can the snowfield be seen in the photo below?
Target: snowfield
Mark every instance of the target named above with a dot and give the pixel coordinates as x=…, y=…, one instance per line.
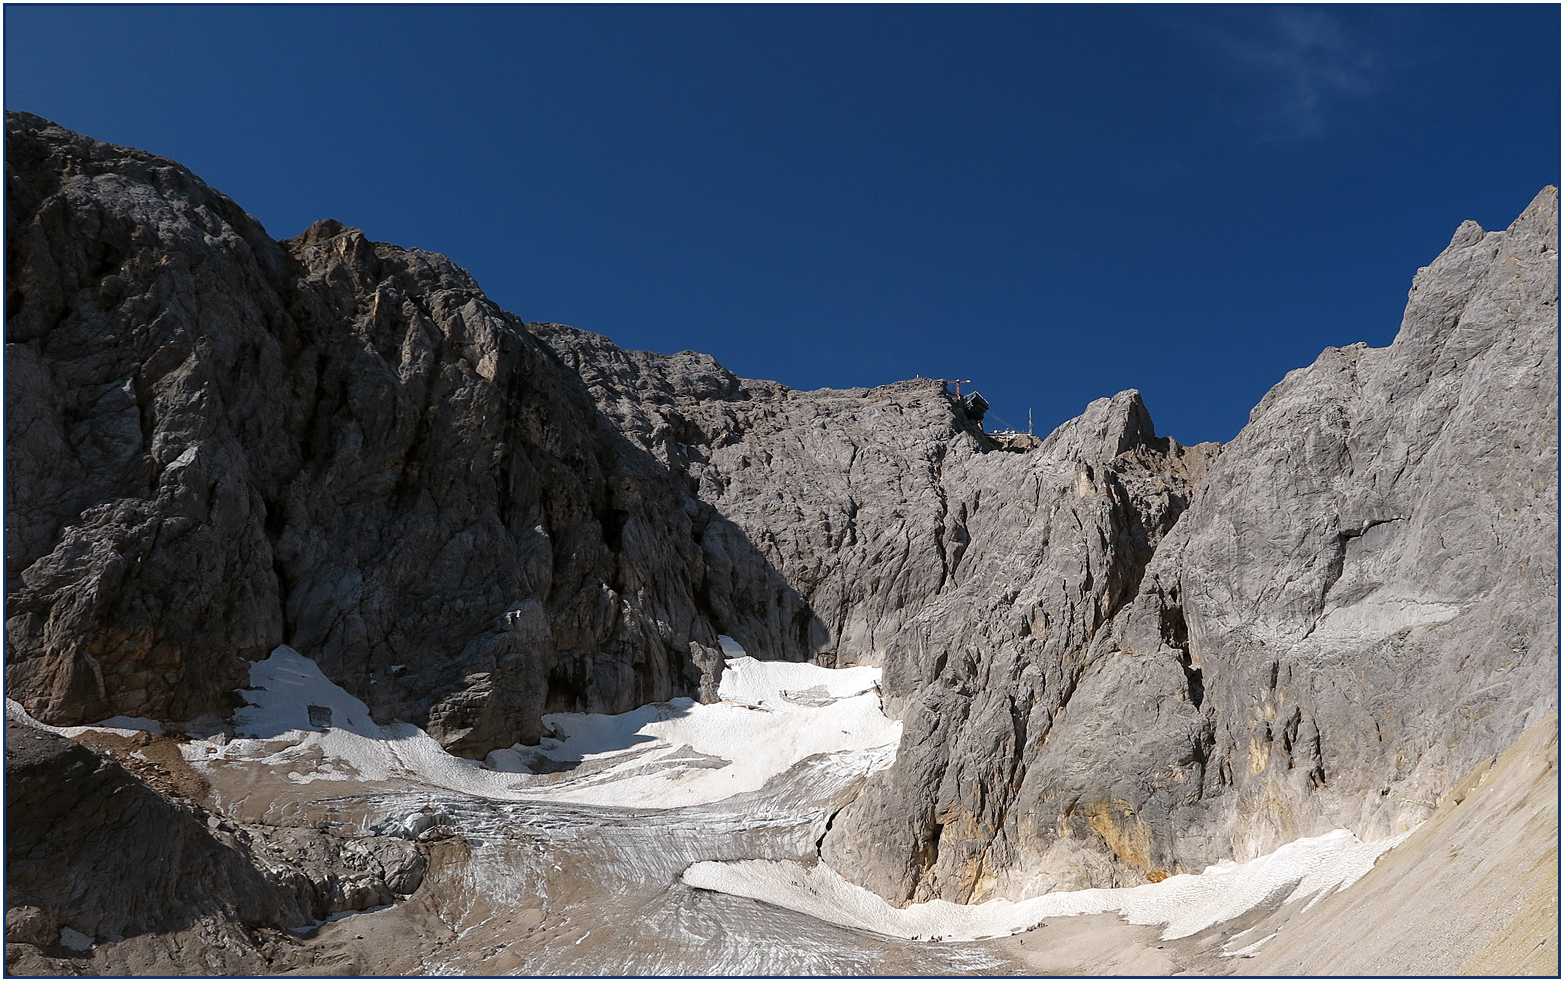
x=1187, y=903
x=665, y=755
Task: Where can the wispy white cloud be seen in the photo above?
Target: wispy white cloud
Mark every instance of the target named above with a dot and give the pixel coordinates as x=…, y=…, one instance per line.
x=1301, y=63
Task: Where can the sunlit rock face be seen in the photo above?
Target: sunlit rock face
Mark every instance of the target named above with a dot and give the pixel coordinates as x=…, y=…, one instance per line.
x=1366, y=577
x=1354, y=610
x=1118, y=658
x=897, y=535
x=1474, y=890
x=1093, y=660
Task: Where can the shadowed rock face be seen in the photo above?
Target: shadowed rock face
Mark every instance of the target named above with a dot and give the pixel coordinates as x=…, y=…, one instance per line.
x=172, y=888
x=218, y=443
x=75, y=820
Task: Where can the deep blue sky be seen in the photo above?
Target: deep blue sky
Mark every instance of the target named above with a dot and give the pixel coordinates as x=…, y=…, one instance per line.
x=1059, y=202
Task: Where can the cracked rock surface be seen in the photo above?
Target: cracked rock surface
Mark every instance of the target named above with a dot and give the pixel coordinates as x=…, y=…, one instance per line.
x=895, y=534
x=1365, y=578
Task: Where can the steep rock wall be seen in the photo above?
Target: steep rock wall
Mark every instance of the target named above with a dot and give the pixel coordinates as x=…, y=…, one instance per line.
x=1474, y=891
x=897, y=535
x=1355, y=608
x=217, y=443
x=1366, y=579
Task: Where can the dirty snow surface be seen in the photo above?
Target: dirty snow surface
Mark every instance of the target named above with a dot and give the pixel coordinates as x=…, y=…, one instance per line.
x=1187, y=903
x=666, y=755
x=119, y=725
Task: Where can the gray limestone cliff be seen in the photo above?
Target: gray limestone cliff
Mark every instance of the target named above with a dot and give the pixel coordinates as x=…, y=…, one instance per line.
x=895, y=534
x=1366, y=580
x=1473, y=891
x=1356, y=607
x=1115, y=657
x=217, y=443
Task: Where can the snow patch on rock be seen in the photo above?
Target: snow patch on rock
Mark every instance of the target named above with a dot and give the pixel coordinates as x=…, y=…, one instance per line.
x=1187, y=904
x=121, y=725
x=665, y=755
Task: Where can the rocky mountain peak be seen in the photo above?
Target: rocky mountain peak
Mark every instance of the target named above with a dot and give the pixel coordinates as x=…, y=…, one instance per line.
x=1107, y=428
